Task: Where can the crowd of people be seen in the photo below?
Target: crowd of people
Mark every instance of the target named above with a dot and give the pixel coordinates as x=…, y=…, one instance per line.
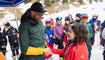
x=74, y=39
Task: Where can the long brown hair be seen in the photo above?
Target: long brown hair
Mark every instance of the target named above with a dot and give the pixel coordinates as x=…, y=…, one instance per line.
x=81, y=33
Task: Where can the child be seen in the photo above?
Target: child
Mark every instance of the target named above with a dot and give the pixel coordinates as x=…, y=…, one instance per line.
x=66, y=32
x=49, y=33
x=90, y=41
x=52, y=22
x=69, y=18
x=58, y=33
x=77, y=50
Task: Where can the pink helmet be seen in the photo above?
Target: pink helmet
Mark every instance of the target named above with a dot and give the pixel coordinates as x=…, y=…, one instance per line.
x=69, y=14
x=51, y=18
x=47, y=21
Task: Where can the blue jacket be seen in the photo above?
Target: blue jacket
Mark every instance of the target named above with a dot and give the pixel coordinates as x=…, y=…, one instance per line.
x=91, y=21
x=49, y=32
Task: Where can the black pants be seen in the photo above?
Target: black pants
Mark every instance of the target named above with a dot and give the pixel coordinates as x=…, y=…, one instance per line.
x=60, y=44
x=3, y=51
x=15, y=49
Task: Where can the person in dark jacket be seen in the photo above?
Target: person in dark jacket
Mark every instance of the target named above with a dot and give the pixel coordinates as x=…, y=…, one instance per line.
x=3, y=42
x=102, y=39
x=84, y=21
x=93, y=21
x=31, y=34
x=69, y=18
x=13, y=39
x=78, y=17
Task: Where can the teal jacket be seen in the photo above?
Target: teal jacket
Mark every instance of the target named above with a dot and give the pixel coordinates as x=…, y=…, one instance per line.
x=90, y=33
x=31, y=35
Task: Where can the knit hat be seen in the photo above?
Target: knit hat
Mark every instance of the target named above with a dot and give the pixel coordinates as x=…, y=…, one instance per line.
x=51, y=18
x=47, y=21
x=78, y=15
x=37, y=7
x=7, y=24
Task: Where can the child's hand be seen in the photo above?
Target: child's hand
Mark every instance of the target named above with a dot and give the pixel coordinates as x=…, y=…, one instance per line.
x=64, y=44
x=64, y=31
x=50, y=35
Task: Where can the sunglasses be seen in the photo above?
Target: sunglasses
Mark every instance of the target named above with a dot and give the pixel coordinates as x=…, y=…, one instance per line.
x=84, y=17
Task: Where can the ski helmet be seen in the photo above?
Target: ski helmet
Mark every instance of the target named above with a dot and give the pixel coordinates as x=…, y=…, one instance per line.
x=47, y=21
x=58, y=18
x=84, y=16
x=7, y=24
x=95, y=17
x=51, y=18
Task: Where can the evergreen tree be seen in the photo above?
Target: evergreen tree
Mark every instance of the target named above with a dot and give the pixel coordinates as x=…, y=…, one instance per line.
x=72, y=0
x=57, y=0
x=65, y=1
x=52, y=1
x=80, y=1
x=101, y=0
x=47, y=3
x=38, y=0
x=96, y=0
x=90, y=1
x=27, y=1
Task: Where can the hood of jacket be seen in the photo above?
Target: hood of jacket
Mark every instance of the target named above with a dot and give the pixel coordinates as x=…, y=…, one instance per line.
x=27, y=16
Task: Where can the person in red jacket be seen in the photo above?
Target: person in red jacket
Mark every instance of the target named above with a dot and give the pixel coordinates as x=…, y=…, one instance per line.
x=77, y=49
x=66, y=34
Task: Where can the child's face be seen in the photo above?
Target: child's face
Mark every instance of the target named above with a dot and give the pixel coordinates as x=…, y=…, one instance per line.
x=48, y=25
x=65, y=26
x=67, y=22
x=59, y=21
x=77, y=18
x=71, y=34
x=52, y=21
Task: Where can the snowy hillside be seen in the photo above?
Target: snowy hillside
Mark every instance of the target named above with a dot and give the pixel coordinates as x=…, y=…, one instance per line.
x=90, y=9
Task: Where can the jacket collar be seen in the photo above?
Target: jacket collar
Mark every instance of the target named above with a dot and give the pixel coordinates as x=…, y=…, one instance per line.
x=32, y=21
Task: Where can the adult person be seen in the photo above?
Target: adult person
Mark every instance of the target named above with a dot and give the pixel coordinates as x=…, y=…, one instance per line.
x=78, y=17
x=103, y=37
x=84, y=21
x=13, y=39
x=31, y=32
x=3, y=42
x=75, y=48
